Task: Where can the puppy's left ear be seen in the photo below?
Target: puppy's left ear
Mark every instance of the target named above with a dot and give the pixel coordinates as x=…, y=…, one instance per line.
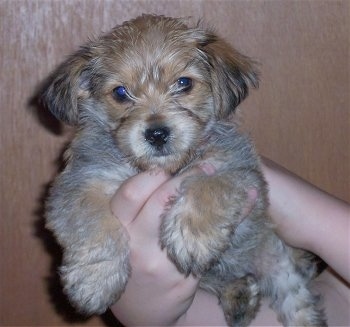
x=232, y=74
x=65, y=87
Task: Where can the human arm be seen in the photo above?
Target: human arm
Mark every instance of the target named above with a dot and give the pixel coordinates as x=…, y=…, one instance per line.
x=309, y=218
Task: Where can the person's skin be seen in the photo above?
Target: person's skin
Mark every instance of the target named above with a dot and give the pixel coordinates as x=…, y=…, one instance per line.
x=157, y=294
x=309, y=218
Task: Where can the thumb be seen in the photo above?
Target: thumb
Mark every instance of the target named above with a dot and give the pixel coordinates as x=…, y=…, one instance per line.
x=133, y=194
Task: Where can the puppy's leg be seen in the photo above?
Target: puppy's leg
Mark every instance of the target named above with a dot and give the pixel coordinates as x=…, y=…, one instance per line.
x=199, y=222
x=95, y=265
x=293, y=301
x=240, y=301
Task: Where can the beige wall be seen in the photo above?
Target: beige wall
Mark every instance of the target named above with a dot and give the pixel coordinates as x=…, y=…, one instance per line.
x=299, y=117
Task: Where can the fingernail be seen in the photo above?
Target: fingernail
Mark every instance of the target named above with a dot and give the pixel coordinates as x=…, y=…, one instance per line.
x=207, y=168
x=252, y=194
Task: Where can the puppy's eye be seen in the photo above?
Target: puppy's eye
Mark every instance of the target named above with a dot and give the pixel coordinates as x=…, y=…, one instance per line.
x=120, y=93
x=184, y=84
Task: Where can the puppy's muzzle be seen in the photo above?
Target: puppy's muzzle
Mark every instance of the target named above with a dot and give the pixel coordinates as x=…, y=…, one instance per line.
x=157, y=136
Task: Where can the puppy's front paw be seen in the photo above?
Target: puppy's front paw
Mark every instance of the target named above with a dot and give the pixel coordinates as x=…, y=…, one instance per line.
x=197, y=226
x=95, y=277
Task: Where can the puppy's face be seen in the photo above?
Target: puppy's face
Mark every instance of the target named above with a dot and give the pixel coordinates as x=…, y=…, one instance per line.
x=156, y=85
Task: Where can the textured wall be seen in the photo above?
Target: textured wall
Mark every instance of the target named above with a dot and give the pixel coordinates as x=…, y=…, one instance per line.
x=299, y=117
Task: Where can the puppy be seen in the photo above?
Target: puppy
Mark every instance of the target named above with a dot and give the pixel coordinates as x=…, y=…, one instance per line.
x=156, y=94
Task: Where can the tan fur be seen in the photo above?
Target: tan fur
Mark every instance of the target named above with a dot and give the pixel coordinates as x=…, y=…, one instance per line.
x=154, y=93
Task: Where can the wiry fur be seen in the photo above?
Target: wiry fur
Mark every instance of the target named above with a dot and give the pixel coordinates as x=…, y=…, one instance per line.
x=201, y=229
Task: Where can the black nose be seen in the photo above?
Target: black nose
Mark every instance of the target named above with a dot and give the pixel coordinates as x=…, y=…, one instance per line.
x=157, y=136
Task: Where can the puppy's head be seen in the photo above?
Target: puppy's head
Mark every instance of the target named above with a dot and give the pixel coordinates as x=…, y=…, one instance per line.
x=155, y=84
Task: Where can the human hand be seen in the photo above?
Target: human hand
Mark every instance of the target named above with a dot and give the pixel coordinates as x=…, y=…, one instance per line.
x=156, y=294
x=155, y=284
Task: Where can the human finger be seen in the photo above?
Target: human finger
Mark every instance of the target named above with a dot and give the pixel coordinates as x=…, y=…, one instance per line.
x=133, y=193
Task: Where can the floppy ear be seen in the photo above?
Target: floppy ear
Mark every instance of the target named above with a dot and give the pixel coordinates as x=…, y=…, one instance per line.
x=232, y=75
x=65, y=86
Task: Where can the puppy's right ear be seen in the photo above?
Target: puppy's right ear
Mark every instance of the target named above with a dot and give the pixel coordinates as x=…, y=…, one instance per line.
x=64, y=88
